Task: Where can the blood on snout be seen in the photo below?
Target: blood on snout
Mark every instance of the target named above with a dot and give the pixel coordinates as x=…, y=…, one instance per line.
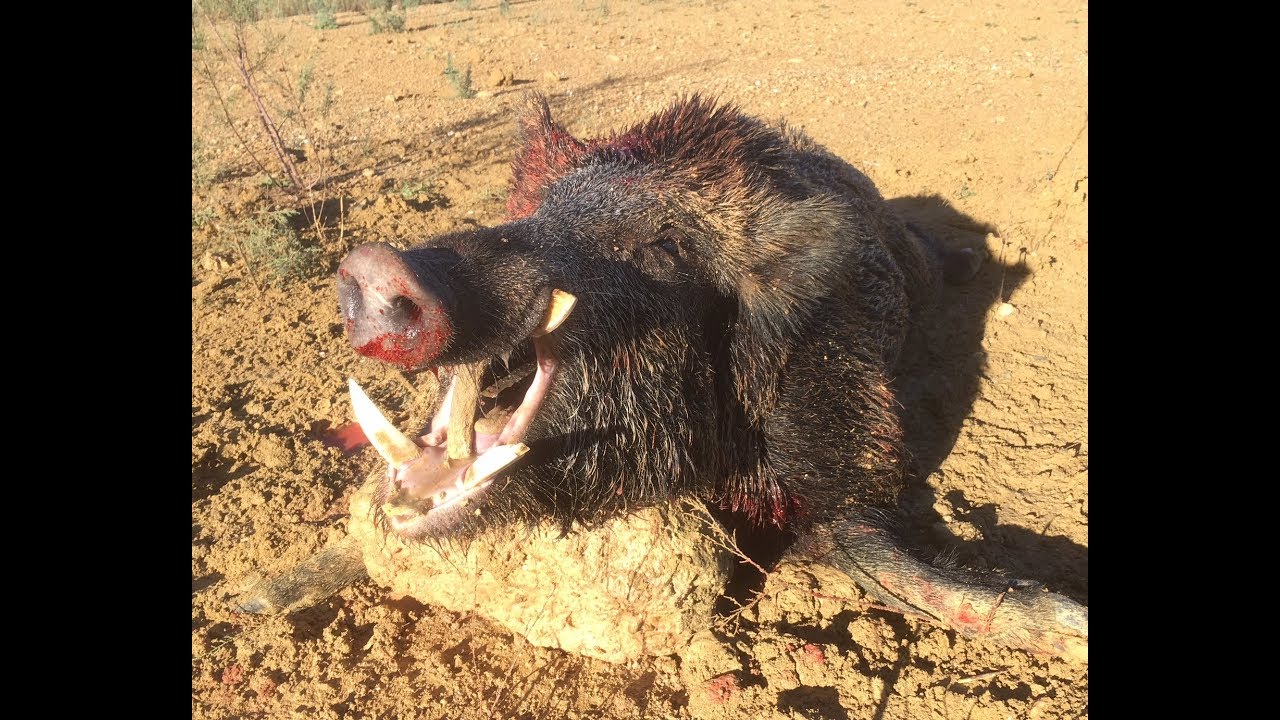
x=390, y=311
x=421, y=340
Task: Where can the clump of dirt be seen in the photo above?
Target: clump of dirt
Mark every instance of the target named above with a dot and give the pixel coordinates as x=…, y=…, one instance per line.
x=637, y=585
x=972, y=120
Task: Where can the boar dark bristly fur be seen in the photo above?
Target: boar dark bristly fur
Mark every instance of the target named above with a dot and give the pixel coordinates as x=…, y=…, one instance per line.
x=743, y=297
x=752, y=288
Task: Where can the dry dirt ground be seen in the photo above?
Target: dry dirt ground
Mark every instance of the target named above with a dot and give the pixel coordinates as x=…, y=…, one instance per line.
x=970, y=116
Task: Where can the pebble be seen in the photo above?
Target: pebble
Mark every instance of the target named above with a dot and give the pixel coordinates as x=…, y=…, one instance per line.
x=213, y=262
x=552, y=76
x=202, y=289
x=500, y=78
x=1005, y=310
x=1039, y=707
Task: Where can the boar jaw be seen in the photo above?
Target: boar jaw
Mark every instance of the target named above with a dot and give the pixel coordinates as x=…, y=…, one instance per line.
x=452, y=463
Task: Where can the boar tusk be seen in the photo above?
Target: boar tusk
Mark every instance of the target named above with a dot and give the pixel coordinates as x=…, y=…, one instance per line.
x=492, y=461
x=466, y=394
x=557, y=310
x=391, y=444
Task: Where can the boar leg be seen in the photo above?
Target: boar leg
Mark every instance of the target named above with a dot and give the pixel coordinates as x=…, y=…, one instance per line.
x=336, y=566
x=1015, y=613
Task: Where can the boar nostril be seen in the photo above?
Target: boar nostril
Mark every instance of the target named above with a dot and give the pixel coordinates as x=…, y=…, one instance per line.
x=403, y=311
x=389, y=313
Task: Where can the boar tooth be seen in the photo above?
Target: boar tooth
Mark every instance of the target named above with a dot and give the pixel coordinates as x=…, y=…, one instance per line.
x=462, y=415
x=557, y=310
x=390, y=443
x=493, y=460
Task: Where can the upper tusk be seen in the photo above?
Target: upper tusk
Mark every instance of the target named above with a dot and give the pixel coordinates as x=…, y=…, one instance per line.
x=391, y=444
x=557, y=310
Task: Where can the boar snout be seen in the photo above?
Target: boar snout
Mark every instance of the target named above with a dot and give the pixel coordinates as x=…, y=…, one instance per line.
x=390, y=312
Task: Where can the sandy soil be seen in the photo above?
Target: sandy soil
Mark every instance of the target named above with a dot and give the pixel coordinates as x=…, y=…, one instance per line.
x=971, y=116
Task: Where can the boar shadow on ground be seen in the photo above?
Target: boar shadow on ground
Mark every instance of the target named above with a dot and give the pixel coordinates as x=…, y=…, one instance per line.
x=938, y=383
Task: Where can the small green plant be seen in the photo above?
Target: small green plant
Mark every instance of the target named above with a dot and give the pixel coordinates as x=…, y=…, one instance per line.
x=422, y=193
x=202, y=217
x=272, y=243
x=504, y=8
x=384, y=21
x=964, y=193
x=271, y=181
x=326, y=102
x=200, y=174
x=494, y=194
x=234, y=10
x=466, y=4
x=304, y=82
x=409, y=190
x=459, y=79
x=324, y=16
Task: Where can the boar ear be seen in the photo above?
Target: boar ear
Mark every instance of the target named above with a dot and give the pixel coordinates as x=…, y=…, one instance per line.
x=795, y=259
x=547, y=153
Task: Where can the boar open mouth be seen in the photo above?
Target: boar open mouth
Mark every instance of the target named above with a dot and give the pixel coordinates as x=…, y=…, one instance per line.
x=476, y=434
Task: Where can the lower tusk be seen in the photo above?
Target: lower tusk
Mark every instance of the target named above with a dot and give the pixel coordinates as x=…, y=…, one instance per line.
x=492, y=462
x=462, y=411
x=440, y=422
x=391, y=444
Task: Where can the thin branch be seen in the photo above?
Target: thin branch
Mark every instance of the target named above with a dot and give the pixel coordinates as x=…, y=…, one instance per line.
x=235, y=237
x=226, y=114
x=241, y=62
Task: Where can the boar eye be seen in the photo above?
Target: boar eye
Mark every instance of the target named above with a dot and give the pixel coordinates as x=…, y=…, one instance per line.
x=669, y=241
